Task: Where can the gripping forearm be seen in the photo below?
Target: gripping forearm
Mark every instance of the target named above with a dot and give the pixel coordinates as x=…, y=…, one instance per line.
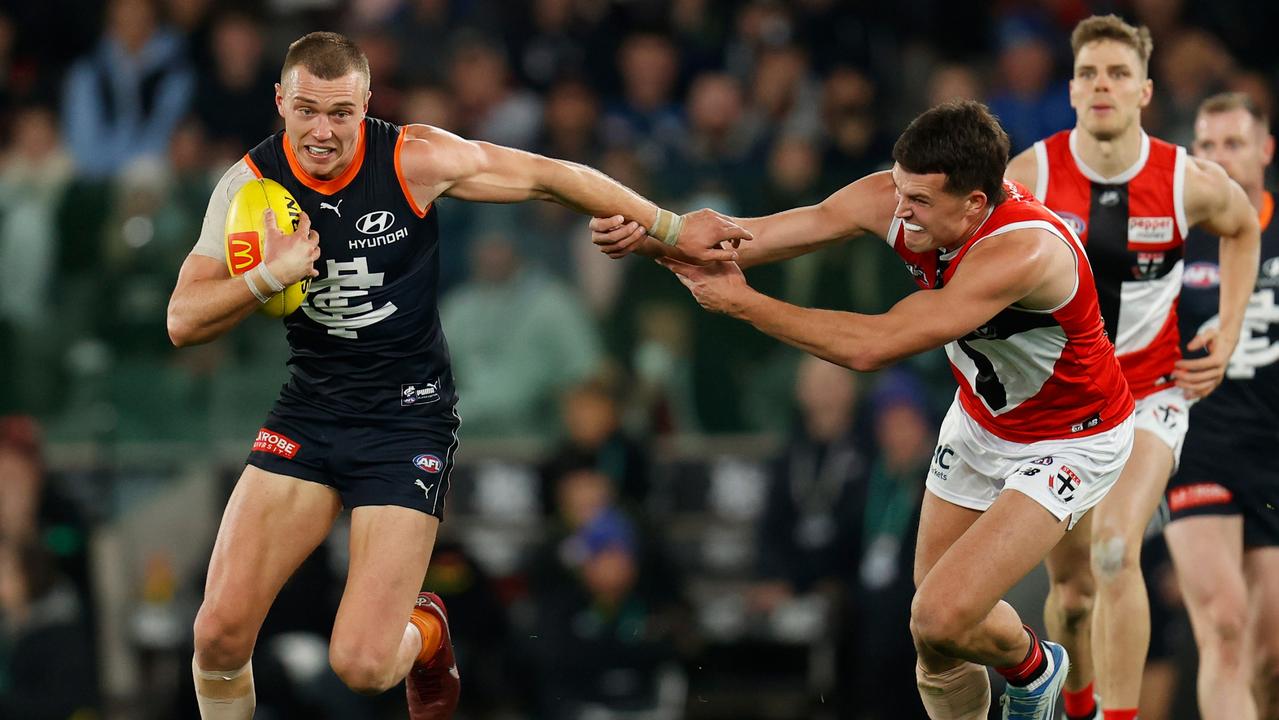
x=843, y=338
x=785, y=235
x=591, y=192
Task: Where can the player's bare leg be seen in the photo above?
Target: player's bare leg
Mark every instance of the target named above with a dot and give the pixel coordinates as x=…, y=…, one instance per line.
x=1068, y=613
x=1261, y=567
x=959, y=624
x=1121, y=623
x=374, y=644
x=950, y=689
x=271, y=524
x=1207, y=551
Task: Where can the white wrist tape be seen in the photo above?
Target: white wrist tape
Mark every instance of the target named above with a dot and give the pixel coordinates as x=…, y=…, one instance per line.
x=253, y=286
x=267, y=277
x=667, y=227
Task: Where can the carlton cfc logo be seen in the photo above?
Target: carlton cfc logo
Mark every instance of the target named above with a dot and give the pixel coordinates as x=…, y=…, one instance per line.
x=378, y=221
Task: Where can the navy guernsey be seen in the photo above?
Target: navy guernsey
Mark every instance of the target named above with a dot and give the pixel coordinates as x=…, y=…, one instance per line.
x=367, y=343
x=1247, y=402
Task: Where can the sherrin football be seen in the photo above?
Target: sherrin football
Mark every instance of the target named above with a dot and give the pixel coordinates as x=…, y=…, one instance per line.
x=246, y=231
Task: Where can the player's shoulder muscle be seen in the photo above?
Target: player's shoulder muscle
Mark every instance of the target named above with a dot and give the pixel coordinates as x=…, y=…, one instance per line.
x=211, y=242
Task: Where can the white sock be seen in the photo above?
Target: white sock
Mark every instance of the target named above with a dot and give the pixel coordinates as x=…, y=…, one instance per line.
x=224, y=694
x=962, y=693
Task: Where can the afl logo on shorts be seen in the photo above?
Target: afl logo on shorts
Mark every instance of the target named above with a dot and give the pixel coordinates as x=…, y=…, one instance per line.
x=429, y=463
x=378, y=221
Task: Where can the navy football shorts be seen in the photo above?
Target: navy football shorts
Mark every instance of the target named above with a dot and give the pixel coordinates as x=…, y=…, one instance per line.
x=406, y=463
x=1229, y=475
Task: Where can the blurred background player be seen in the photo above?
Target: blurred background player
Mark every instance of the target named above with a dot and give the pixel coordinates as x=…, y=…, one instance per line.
x=1132, y=199
x=1224, y=500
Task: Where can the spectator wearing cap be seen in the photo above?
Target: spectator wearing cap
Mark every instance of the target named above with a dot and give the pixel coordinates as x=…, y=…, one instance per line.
x=603, y=633
x=880, y=656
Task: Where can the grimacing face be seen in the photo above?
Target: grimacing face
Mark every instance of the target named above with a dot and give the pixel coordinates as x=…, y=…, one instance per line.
x=934, y=218
x=1109, y=88
x=322, y=118
x=1237, y=142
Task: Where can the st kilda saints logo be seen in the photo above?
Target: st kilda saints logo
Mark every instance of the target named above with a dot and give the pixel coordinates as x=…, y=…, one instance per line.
x=1065, y=483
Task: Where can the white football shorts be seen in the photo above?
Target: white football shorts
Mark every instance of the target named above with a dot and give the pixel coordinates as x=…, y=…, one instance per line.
x=971, y=467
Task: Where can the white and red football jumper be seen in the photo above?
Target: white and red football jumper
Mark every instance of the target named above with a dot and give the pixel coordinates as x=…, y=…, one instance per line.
x=1134, y=227
x=1030, y=375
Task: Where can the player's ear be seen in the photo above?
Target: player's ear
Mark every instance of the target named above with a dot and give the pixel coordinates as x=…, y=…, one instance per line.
x=279, y=99
x=976, y=202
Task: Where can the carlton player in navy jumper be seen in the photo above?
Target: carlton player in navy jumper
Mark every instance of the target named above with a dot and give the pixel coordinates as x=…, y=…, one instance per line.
x=1132, y=199
x=1042, y=421
x=366, y=420
x=1224, y=499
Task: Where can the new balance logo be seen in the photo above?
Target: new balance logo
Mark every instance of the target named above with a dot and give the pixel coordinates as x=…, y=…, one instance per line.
x=334, y=208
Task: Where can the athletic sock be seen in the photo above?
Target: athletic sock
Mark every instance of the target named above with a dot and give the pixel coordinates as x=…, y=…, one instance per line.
x=1030, y=668
x=1080, y=705
x=224, y=694
x=431, y=630
x=1125, y=714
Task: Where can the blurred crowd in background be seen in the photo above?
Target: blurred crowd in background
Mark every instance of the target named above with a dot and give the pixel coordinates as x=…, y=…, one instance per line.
x=643, y=481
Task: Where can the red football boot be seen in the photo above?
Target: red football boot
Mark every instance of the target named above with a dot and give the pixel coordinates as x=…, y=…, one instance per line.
x=433, y=687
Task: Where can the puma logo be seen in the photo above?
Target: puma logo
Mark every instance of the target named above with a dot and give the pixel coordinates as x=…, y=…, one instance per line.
x=334, y=208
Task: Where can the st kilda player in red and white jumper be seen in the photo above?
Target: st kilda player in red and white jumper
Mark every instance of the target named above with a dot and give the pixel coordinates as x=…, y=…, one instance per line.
x=1042, y=422
x=1132, y=199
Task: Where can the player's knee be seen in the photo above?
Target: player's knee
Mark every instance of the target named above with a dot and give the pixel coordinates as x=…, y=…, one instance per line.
x=936, y=624
x=1227, y=623
x=1073, y=599
x=1112, y=556
x=363, y=669
x=221, y=642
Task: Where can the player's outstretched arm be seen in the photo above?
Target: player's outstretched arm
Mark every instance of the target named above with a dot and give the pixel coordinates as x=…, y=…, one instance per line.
x=438, y=163
x=864, y=206
x=1219, y=206
x=1021, y=267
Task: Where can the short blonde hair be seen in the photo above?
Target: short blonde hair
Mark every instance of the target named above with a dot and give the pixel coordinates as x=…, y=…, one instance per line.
x=326, y=55
x=1113, y=27
x=1228, y=101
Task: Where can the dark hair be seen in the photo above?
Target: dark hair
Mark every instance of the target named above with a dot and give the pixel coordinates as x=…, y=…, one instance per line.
x=1227, y=101
x=1112, y=27
x=326, y=55
x=962, y=140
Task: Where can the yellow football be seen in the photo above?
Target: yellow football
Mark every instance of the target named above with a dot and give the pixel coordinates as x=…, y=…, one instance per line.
x=246, y=231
